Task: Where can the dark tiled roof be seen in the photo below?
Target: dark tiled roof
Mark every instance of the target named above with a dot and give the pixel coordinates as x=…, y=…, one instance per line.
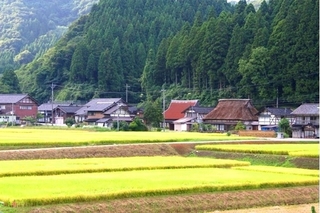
x=104, y=120
x=177, y=107
x=112, y=109
x=307, y=109
x=200, y=110
x=233, y=109
x=98, y=105
x=134, y=109
x=69, y=109
x=11, y=98
x=101, y=104
x=49, y=106
x=279, y=111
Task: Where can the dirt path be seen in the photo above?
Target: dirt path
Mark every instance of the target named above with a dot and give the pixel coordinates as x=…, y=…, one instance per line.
x=199, y=203
x=303, y=208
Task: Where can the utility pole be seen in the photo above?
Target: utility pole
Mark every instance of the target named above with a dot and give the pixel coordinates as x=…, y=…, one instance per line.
x=52, y=87
x=127, y=86
x=277, y=102
x=163, y=108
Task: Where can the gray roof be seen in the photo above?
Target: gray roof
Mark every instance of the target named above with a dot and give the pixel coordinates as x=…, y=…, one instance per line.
x=98, y=104
x=307, y=109
x=49, y=106
x=11, y=98
x=101, y=104
x=200, y=110
x=112, y=109
x=82, y=110
x=69, y=109
x=279, y=111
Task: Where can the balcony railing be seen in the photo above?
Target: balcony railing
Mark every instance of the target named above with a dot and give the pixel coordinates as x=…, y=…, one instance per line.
x=306, y=122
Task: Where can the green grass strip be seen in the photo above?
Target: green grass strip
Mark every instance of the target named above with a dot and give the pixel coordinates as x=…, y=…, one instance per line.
x=89, y=165
x=301, y=150
x=43, y=190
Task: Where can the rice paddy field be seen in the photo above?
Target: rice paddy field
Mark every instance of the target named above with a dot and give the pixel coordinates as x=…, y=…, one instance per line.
x=25, y=137
x=30, y=185
x=31, y=190
x=301, y=150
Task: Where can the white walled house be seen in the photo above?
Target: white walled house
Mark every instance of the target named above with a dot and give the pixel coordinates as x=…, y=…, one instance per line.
x=192, y=115
x=306, y=123
x=269, y=119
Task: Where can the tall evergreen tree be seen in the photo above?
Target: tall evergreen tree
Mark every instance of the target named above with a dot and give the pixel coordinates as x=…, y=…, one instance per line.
x=9, y=82
x=79, y=64
x=147, y=78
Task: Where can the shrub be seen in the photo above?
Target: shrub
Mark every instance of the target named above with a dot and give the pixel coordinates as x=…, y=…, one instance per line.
x=240, y=126
x=30, y=120
x=69, y=122
x=137, y=125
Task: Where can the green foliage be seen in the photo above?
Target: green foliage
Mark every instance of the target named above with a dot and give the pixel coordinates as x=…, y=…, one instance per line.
x=187, y=46
x=240, y=126
x=69, y=121
x=116, y=56
x=9, y=82
x=152, y=114
x=284, y=126
x=26, y=33
x=137, y=125
x=30, y=120
x=123, y=126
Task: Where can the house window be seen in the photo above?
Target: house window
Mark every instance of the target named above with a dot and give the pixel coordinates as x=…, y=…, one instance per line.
x=26, y=107
x=91, y=113
x=26, y=100
x=2, y=106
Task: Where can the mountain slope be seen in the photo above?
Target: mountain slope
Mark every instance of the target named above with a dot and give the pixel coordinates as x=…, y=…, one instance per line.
x=107, y=49
x=202, y=50
x=29, y=27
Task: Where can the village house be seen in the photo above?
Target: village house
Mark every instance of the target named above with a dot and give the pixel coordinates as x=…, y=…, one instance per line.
x=117, y=113
x=306, y=121
x=176, y=111
x=63, y=112
x=94, y=110
x=46, y=110
x=270, y=117
x=192, y=115
x=104, y=111
x=15, y=107
x=229, y=112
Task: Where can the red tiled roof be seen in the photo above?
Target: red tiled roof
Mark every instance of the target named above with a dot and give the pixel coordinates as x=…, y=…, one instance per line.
x=177, y=107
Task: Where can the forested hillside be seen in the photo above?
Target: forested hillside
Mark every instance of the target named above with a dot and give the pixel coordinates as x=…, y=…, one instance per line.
x=106, y=50
x=202, y=50
x=29, y=27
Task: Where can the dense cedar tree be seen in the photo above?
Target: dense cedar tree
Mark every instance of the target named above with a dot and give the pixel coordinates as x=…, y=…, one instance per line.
x=202, y=50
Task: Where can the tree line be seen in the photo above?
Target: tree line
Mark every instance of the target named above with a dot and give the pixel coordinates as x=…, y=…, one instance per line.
x=202, y=50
